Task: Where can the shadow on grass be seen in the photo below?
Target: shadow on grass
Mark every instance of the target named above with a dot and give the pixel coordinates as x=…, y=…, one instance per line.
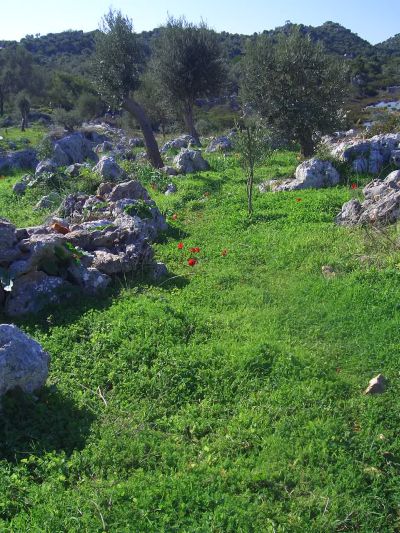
x=77, y=304
x=51, y=423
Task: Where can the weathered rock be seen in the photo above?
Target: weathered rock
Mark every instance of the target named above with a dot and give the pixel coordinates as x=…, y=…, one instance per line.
x=50, y=200
x=90, y=279
x=395, y=158
x=20, y=187
x=77, y=148
x=311, y=174
x=350, y=213
x=170, y=171
x=7, y=234
x=188, y=161
x=74, y=170
x=366, y=155
x=381, y=205
x=105, y=146
x=180, y=142
x=23, y=362
x=220, y=144
x=129, y=189
x=158, y=271
x=45, y=289
x=46, y=165
x=171, y=189
x=376, y=385
x=136, y=142
x=21, y=160
x=109, y=169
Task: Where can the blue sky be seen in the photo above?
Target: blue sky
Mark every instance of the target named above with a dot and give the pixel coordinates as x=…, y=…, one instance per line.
x=373, y=20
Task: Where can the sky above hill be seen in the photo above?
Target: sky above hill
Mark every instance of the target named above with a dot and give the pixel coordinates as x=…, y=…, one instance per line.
x=372, y=20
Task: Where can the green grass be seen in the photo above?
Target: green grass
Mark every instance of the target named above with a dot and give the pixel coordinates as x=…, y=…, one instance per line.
x=21, y=139
x=228, y=399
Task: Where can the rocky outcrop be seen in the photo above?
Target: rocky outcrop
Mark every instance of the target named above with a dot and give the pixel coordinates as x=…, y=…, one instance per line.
x=366, y=155
x=188, y=161
x=180, y=142
x=109, y=169
x=23, y=362
x=93, y=238
x=381, y=205
x=220, y=144
x=311, y=174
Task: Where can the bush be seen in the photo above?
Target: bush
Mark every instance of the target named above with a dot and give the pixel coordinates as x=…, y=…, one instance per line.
x=384, y=122
x=68, y=119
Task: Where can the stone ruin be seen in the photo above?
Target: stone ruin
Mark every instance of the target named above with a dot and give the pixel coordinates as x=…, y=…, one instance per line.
x=92, y=239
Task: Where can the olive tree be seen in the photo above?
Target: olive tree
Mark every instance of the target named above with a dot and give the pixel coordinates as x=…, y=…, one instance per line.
x=189, y=65
x=296, y=86
x=118, y=64
x=24, y=105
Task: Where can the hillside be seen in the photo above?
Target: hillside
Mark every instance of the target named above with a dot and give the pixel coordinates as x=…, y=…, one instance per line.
x=208, y=402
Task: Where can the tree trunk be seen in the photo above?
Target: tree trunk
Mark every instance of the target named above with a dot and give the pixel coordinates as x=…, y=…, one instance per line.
x=23, y=122
x=1, y=103
x=307, y=146
x=188, y=116
x=152, y=150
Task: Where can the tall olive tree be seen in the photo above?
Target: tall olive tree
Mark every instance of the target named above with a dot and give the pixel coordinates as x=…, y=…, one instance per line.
x=296, y=86
x=118, y=63
x=189, y=65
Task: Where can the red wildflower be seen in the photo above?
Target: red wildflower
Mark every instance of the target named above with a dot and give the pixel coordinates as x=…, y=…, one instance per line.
x=298, y=199
x=195, y=250
x=180, y=246
x=174, y=216
x=192, y=262
x=224, y=252
x=354, y=186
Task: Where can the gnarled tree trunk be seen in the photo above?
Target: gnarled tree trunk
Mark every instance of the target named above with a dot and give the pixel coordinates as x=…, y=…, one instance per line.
x=307, y=145
x=189, y=121
x=139, y=113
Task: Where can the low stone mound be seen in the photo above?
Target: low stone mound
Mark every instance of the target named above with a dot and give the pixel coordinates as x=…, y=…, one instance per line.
x=23, y=362
x=183, y=141
x=311, y=174
x=188, y=161
x=367, y=155
x=93, y=238
x=220, y=144
x=381, y=205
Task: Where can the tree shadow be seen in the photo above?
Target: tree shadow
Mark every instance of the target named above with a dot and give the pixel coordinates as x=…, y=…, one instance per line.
x=35, y=426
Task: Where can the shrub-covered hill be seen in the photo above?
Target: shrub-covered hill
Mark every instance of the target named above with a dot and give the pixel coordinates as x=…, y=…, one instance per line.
x=228, y=398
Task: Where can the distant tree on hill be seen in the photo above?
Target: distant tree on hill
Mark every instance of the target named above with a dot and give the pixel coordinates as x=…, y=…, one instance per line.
x=118, y=64
x=189, y=65
x=295, y=86
x=24, y=105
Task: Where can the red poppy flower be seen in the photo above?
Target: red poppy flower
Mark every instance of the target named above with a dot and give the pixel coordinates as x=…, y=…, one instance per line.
x=174, y=216
x=224, y=252
x=354, y=186
x=180, y=246
x=195, y=250
x=298, y=199
x=192, y=262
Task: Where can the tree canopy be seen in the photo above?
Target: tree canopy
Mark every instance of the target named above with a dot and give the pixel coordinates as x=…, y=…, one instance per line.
x=295, y=86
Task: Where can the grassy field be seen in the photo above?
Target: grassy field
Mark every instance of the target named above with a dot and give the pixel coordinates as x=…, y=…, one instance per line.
x=229, y=398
